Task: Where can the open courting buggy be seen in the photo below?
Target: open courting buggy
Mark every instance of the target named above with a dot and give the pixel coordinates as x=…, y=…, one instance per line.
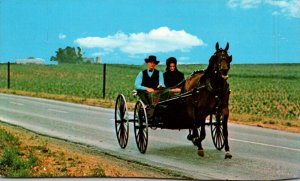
x=205, y=94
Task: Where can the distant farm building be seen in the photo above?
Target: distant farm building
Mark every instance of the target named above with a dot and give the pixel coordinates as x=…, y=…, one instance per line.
x=98, y=59
x=30, y=61
x=92, y=60
x=88, y=60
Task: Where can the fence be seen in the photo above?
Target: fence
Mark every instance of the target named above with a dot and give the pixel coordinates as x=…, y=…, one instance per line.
x=7, y=74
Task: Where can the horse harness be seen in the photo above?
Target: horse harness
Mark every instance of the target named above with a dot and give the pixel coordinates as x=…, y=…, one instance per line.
x=218, y=93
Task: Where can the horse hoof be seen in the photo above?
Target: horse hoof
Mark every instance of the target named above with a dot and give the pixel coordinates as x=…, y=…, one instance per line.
x=189, y=137
x=195, y=141
x=228, y=155
x=201, y=153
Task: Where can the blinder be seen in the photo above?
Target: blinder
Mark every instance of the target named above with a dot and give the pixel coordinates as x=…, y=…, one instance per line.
x=221, y=55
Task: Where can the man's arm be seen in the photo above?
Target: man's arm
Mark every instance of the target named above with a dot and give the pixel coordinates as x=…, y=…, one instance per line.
x=161, y=79
x=138, y=82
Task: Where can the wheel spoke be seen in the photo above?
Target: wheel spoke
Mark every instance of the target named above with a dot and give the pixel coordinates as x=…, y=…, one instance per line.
x=121, y=124
x=140, y=127
x=123, y=134
x=217, y=131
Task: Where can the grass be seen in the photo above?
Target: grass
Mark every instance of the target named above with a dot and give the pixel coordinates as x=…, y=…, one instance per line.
x=27, y=154
x=22, y=160
x=14, y=163
x=258, y=91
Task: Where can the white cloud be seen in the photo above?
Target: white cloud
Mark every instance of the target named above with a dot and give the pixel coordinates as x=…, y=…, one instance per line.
x=183, y=59
x=157, y=40
x=289, y=8
x=275, y=13
x=245, y=4
x=62, y=36
x=285, y=7
x=117, y=40
x=232, y=3
x=250, y=3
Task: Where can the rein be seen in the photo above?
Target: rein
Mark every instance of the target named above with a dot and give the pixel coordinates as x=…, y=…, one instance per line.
x=217, y=93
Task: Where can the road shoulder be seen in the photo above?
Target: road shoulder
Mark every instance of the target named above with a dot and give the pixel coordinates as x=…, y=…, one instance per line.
x=59, y=158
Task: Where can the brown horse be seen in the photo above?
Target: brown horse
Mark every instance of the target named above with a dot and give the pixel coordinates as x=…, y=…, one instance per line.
x=211, y=96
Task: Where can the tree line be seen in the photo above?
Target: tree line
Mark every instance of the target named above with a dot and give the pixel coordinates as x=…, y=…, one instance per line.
x=68, y=55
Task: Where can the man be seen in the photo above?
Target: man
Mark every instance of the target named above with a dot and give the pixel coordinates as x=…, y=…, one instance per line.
x=149, y=80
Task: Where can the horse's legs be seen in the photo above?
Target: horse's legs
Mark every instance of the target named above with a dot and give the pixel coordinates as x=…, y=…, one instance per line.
x=193, y=133
x=225, y=132
x=225, y=115
x=197, y=141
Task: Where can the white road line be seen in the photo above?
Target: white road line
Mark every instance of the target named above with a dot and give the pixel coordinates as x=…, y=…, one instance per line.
x=263, y=144
x=257, y=143
x=17, y=103
x=55, y=110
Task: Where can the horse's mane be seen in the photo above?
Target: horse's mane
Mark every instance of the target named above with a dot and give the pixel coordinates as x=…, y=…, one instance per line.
x=197, y=71
x=209, y=67
x=203, y=72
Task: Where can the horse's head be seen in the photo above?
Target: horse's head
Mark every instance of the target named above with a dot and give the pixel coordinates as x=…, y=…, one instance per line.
x=219, y=63
x=217, y=70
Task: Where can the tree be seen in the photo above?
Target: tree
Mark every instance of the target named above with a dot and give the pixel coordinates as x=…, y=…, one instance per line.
x=68, y=55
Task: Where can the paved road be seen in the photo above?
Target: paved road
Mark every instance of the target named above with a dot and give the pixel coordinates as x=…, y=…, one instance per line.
x=258, y=153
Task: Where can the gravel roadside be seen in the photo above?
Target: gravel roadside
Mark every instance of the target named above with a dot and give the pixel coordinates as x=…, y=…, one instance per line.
x=60, y=158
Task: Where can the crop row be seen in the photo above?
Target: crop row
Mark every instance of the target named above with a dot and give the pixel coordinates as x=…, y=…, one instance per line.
x=263, y=90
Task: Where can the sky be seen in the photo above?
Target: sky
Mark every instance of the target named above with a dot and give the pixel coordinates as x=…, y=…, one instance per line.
x=128, y=31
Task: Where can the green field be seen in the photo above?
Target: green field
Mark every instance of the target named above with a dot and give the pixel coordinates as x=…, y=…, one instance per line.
x=270, y=91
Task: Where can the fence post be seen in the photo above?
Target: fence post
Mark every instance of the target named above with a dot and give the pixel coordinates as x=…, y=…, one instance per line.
x=8, y=75
x=104, y=80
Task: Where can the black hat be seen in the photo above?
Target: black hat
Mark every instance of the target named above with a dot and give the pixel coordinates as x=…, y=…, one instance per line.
x=171, y=60
x=152, y=58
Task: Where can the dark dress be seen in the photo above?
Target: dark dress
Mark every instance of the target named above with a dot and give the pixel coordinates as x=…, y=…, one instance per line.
x=173, y=78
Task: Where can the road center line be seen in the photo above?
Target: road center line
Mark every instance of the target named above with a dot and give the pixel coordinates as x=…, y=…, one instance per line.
x=55, y=110
x=263, y=144
x=17, y=103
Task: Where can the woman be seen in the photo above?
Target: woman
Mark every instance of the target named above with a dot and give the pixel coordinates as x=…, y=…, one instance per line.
x=172, y=76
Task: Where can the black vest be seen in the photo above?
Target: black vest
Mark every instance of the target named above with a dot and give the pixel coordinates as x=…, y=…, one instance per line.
x=152, y=81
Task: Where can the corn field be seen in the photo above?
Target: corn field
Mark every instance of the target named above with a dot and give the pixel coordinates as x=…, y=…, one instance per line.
x=270, y=90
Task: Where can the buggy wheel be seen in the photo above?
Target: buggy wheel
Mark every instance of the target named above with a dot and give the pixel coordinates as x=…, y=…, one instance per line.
x=217, y=131
x=121, y=121
x=141, y=126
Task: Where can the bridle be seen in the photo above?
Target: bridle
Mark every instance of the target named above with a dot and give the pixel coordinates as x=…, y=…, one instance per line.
x=220, y=68
x=219, y=73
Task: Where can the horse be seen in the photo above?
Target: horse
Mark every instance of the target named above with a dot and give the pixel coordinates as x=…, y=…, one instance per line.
x=211, y=96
